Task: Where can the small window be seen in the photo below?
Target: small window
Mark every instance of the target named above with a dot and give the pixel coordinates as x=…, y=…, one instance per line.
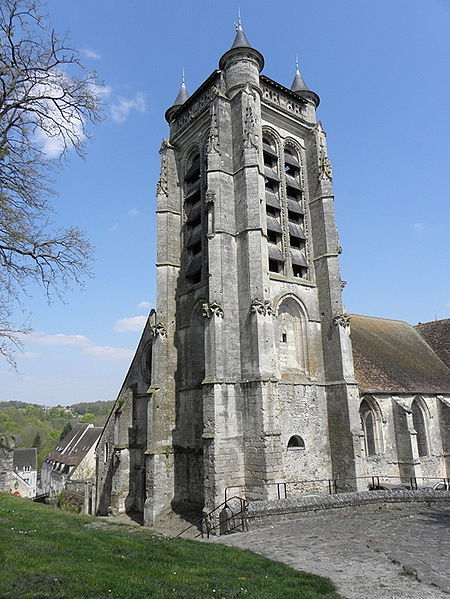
x=298, y=271
x=273, y=236
x=284, y=337
x=271, y=211
x=296, y=242
x=295, y=217
x=274, y=265
x=271, y=185
x=296, y=442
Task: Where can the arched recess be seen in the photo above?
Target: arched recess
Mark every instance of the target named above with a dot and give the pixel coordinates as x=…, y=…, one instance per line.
x=371, y=422
x=420, y=416
x=291, y=337
x=195, y=359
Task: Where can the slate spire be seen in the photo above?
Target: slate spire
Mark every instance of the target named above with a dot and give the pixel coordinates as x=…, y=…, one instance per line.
x=298, y=84
x=183, y=94
x=240, y=41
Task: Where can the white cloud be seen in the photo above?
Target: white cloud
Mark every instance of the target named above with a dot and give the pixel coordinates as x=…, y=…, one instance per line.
x=62, y=127
x=122, y=108
x=60, y=339
x=108, y=353
x=132, y=323
x=144, y=306
x=133, y=212
x=419, y=227
x=90, y=54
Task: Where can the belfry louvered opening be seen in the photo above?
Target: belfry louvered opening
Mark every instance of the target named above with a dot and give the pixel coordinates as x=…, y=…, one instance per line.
x=295, y=213
x=193, y=206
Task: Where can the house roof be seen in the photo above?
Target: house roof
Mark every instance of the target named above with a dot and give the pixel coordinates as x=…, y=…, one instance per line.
x=25, y=457
x=75, y=445
x=437, y=335
x=391, y=356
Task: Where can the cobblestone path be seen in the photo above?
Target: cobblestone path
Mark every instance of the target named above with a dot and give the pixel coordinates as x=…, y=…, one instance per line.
x=394, y=554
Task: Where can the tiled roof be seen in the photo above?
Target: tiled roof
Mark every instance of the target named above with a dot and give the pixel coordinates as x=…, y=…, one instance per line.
x=72, y=449
x=391, y=356
x=437, y=335
x=25, y=457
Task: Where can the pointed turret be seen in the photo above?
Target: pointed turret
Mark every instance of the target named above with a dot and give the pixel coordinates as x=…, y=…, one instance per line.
x=240, y=45
x=300, y=88
x=298, y=84
x=240, y=41
x=183, y=94
x=181, y=98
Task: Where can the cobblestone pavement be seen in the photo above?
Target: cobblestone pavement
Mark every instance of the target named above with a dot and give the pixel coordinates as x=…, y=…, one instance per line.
x=392, y=554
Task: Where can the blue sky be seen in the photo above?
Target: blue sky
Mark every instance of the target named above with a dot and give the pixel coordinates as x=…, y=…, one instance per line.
x=382, y=72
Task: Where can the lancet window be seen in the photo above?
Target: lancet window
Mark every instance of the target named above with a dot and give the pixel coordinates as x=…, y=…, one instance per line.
x=420, y=427
x=371, y=426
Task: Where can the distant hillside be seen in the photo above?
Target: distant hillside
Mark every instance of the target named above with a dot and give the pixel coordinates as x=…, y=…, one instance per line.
x=42, y=426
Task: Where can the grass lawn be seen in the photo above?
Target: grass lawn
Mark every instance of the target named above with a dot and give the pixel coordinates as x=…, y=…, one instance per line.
x=49, y=554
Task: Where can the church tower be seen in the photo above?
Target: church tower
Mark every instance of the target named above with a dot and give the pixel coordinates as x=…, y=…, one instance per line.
x=244, y=376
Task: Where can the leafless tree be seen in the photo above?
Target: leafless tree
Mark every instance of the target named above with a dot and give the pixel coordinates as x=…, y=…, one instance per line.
x=47, y=101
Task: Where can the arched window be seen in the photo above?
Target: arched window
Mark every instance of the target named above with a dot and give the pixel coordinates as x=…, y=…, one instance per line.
x=291, y=338
x=420, y=428
x=371, y=426
x=296, y=442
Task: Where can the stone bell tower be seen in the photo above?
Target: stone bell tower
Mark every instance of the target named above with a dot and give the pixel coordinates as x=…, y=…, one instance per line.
x=251, y=366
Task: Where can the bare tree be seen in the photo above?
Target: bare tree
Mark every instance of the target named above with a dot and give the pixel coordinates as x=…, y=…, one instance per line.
x=47, y=100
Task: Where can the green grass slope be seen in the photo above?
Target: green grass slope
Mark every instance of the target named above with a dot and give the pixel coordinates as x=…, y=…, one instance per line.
x=47, y=554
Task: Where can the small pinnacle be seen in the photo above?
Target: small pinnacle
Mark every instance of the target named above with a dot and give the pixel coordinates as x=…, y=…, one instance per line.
x=183, y=94
x=298, y=84
x=240, y=41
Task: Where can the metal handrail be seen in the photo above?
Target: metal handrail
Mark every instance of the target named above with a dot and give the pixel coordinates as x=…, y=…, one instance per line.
x=205, y=519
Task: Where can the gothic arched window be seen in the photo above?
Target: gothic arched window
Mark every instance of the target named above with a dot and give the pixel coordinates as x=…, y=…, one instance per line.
x=371, y=427
x=420, y=428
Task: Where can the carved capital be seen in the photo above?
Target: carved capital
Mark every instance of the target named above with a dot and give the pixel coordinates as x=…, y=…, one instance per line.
x=212, y=309
x=263, y=307
x=158, y=328
x=341, y=320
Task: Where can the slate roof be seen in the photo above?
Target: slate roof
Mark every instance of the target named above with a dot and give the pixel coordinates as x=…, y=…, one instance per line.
x=73, y=448
x=391, y=357
x=437, y=335
x=25, y=457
